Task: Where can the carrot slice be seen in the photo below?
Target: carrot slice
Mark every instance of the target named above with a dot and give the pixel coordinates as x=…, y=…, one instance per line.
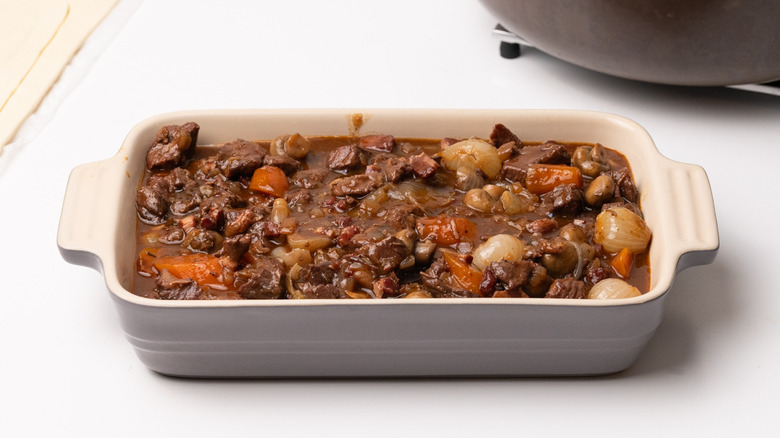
x=205, y=269
x=542, y=178
x=446, y=230
x=622, y=261
x=270, y=180
x=467, y=276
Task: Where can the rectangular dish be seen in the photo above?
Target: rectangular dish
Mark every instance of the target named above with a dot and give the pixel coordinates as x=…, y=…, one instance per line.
x=411, y=337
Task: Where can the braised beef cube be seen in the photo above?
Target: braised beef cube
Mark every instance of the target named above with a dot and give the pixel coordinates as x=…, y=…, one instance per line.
x=625, y=184
x=511, y=276
x=179, y=178
x=357, y=185
x=233, y=248
x=542, y=226
x=564, y=200
x=346, y=235
x=309, y=179
x=433, y=278
x=169, y=287
x=200, y=240
x=262, y=280
x=172, y=146
x=317, y=274
x=388, y=253
x=403, y=216
x=487, y=286
x=594, y=274
x=212, y=209
x=237, y=221
x=240, y=158
x=297, y=197
x=395, y=168
x=152, y=200
x=566, y=288
x=553, y=153
x=501, y=135
x=172, y=235
x=424, y=166
x=346, y=157
x=322, y=291
x=186, y=196
x=514, y=169
x=379, y=143
x=387, y=286
x=288, y=165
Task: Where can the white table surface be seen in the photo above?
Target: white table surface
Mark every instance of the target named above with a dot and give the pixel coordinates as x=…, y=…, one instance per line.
x=67, y=370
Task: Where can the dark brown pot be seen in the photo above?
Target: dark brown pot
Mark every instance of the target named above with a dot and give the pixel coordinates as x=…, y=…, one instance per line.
x=681, y=42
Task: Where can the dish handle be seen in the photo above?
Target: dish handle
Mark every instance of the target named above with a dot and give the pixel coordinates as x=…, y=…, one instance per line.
x=88, y=215
x=694, y=239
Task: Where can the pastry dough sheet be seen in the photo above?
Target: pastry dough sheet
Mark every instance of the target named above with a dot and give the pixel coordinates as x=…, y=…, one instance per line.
x=40, y=38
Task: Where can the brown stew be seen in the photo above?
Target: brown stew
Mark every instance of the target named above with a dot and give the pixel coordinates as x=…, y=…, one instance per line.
x=383, y=217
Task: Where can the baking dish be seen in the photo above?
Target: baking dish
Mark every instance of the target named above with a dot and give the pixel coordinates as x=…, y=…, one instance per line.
x=411, y=337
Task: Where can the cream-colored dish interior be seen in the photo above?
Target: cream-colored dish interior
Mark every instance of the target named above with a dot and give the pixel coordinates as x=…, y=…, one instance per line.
x=675, y=197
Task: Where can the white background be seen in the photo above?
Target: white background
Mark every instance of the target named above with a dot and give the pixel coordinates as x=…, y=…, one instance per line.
x=66, y=369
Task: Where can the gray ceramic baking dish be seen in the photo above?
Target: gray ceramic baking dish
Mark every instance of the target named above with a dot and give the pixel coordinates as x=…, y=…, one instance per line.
x=410, y=337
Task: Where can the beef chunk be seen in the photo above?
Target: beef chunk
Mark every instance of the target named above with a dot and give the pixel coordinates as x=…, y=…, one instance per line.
x=240, y=158
x=594, y=274
x=212, y=209
x=346, y=157
x=542, y=226
x=356, y=185
x=511, y=275
x=200, y=240
x=346, y=235
x=403, y=216
x=514, y=169
x=233, y=248
x=321, y=291
x=388, y=253
x=262, y=280
x=386, y=286
x=297, y=197
x=173, y=144
x=317, y=282
x=501, y=135
x=237, y=221
x=565, y=200
x=169, y=287
x=379, y=143
x=625, y=184
x=424, y=166
x=186, y=195
x=309, y=179
x=566, y=288
x=395, y=168
x=288, y=165
x=152, y=200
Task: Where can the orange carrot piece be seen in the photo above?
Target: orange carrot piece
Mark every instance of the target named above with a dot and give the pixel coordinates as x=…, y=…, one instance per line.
x=446, y=230
x=205, y=269
x=270, y=180
x=542, y=178
x=622, y=261
x=467, y=276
